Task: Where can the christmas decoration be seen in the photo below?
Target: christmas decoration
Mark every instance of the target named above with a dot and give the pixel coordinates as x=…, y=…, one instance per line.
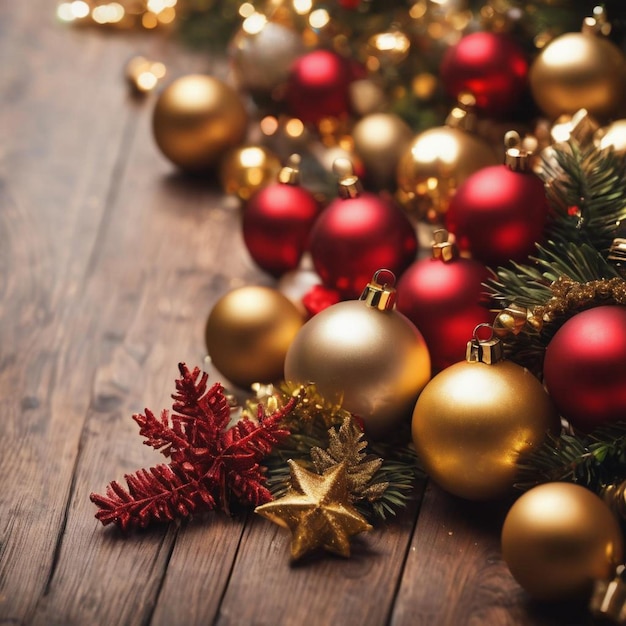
x=248, y=169
x=317, y=511
x=262, y=53
x=490, y=66
x=613, y=136
x=318, y=86
x=381, y=475
x=608, y=600
x=126, y=14
x=277, y=221
x=581, y=70
x=499, y=212
x=558, y=538
x=585, y=367
x=594, y=460
x=248, y=332
x=358, y=233
x=365, y=356
x=438, y=160
x=474, y=420
x=211, y=464
x=196, y=120
x=295, y=284
x=442, y=297
x=379, y=140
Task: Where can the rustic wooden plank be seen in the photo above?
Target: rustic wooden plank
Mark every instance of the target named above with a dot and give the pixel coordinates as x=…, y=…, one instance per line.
x=455, y=573
x=265, y=588
x=66, y=367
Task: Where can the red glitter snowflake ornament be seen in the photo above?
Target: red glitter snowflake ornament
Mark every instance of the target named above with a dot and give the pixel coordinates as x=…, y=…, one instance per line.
x=211, y=464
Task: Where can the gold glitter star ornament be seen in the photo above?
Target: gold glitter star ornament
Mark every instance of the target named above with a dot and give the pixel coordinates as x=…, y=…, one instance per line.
x=317, y=511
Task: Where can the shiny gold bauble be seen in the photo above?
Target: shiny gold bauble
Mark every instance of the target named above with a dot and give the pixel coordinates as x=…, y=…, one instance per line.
x=379, y=140
x=372, y=362
x=196, y=119
x=247, y=169
x=613, y=136
x=558, y=538
x=579, y=71
x=473, y=421
x=436, y=162
x=248, y=333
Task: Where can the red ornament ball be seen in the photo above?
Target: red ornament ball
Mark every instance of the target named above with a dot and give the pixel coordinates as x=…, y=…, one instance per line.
x=443, y=300
x=276, y=222
x=498, y=215
x=354, y=237
x=491, y=66
x=319, y=86
x=585, y=367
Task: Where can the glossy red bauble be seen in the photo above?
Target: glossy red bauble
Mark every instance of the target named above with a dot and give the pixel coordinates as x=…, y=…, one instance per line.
x=491, y=66
x=443, y=299
x=354, y=237
x=276, y=223
x=498, y=215
x=319, y=86
x=585, y=367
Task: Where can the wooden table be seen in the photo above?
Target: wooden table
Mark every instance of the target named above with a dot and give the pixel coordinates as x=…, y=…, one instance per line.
x=109, y=264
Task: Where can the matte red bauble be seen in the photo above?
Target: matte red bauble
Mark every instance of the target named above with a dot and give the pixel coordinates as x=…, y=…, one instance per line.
x=498, y=215
x=585, y=367
x=276, y=223
x=355, y=236
x=319, y=86
x=442, y=297
x=491, y=66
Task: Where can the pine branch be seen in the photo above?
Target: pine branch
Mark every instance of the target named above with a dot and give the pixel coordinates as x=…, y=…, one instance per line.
x=594, y=460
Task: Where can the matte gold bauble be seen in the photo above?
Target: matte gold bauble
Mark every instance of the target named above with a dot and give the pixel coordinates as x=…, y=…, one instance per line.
x=579, y=71
x=248, y=333
x=558, y=538
x=247, y=169
x=474, y=419
x=379, y=140
x=613, y=136
x=436, y=162
x=364, y=355
x=196, y=119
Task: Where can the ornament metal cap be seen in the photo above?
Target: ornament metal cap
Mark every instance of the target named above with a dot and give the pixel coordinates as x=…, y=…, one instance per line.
x=443, y=248
x=380, y=295
x=608, y=600
x=487, y=351
x=290, y=174
x=516, y=157
x=463, y=116
x=349, y=183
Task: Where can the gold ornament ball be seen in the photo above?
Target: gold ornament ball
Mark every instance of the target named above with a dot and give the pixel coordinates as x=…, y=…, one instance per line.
x=473, y=421
x=196, y=119
x=558, y=538
x=613, y=136
x=379, y=140
x=433, y=166
x=579, y=71
x=374, y=363
x=248, y=333
x=247, y=169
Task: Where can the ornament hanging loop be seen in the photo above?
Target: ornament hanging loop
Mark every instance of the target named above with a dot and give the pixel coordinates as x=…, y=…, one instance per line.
x=380, y=295
x=487, y=351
